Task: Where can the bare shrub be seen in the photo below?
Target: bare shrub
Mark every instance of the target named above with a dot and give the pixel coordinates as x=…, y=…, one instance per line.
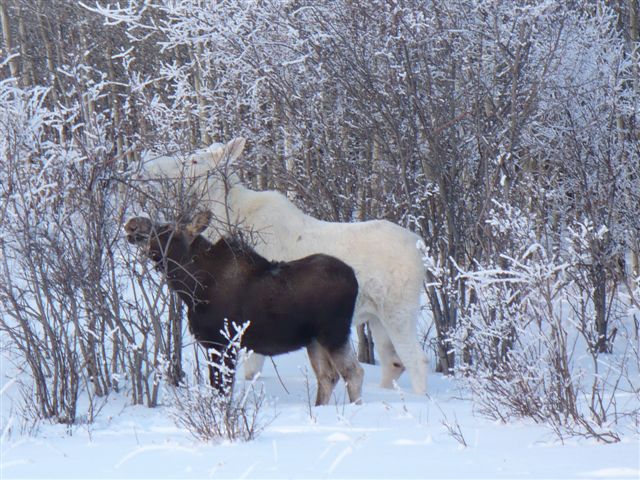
x=219, y=413
x=213, y=416
x=72, y=312
x=55, y=245
x=454, y=430
x=523, y=354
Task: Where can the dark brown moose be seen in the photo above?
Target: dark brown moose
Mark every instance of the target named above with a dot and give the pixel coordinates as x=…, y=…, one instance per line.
x=304, y=303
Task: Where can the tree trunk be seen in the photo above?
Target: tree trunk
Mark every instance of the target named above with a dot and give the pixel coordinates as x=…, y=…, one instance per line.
x=174, y=353
x=602, y=343
x=28, y=76
x=8, y=41
x=205, y=138
x=443, y=323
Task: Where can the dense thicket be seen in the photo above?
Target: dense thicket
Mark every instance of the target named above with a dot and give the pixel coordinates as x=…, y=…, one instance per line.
x=504, y=133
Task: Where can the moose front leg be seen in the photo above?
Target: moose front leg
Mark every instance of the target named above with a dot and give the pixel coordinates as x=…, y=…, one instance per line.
x=222, y=367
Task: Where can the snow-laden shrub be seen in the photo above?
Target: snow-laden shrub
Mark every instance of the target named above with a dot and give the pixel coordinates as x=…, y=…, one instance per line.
x=78, y=321
x=522, y=355
x=35, y=311
x=219, y=413
x=212, y=416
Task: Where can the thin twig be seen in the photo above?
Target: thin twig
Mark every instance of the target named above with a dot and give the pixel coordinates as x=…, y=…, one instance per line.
x=278, y=375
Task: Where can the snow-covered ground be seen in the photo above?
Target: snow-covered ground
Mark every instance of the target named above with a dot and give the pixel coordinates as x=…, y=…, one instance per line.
x=394, y=434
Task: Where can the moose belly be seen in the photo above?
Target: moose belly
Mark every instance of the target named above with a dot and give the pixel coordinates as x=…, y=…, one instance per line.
x=277, y=339
x=265, y=335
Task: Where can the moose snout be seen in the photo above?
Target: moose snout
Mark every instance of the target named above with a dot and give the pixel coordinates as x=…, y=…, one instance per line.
x=137, y=229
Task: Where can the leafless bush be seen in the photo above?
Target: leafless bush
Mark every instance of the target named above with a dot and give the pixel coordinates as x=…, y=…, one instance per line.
x=61, y=294
x=310, y=403
x=213, y=416
x=28, y=411
x=72, y=311
x=57, y=294
x=216, y=413
x=453, y=429
x=523, y=353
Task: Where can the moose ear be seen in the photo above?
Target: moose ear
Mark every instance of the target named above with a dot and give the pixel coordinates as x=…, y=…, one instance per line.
x=199, y=223
x=227, y=153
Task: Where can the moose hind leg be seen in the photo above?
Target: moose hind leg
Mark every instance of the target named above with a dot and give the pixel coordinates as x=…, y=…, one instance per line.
x=405, y=340
x=391, y=365
x=346, y=362
x=326, y=374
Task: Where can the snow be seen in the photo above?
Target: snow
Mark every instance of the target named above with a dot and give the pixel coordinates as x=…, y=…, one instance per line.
x=393, y=434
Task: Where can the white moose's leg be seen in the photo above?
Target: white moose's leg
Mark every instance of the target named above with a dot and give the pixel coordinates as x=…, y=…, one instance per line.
x=404, y=336
x=390, y=362
x=253, y=365
x=346, y=362
x=326, y=374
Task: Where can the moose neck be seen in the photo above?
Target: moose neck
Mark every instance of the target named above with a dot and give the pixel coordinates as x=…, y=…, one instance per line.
x=192, y=273
x=186, y=272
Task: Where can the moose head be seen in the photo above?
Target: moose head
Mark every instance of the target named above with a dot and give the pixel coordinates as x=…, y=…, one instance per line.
x=166, y=241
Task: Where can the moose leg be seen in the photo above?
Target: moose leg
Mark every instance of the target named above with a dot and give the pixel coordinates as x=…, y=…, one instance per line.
x=392, y=366
x=213, y=377
x=326, y=374
x=346, y=362
x=221, y=370
x=253, y=365
x=405, y=342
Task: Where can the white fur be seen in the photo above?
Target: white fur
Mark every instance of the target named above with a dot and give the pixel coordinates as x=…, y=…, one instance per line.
x=385, y=256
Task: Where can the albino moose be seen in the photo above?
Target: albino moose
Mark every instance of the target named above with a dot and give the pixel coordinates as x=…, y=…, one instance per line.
x=289, y=305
